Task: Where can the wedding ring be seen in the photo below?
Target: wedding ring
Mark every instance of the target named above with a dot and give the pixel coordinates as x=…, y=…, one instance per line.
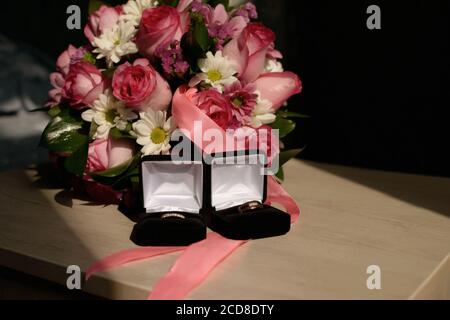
x=250, y=206
x=173, y=215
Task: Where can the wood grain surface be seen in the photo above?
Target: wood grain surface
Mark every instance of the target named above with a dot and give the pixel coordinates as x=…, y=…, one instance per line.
x=351, y=219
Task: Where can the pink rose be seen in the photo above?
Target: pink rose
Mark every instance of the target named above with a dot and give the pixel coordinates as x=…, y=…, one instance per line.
x=103, y=155
x=141, y=86
x=83, y=85
x=250, y=50
x=102, y=19
x=54, y=95
x=58, y=79
x=108, y=153
x=65, y=59
x=257, y=37
x=159, y=27
x=214, y=105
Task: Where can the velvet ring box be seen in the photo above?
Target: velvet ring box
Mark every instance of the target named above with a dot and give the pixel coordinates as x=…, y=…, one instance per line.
x=173, y=203
x=237, y=191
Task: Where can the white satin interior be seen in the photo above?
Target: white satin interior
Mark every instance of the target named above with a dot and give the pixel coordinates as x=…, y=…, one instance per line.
x=235, y=184
x=170, y=187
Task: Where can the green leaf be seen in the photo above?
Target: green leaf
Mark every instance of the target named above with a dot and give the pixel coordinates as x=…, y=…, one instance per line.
x=64, y=133
x=127, y=179
x=76, y=163
x=113, y=172
x=44, y=109
x=89, y=57
x=135, y=179
x=288, y=114
x=196, y=42
x=285, y=156
x=115, y=175
x=109, y=73
x=94, y=5
x=53, y=112
x=201, y=36
x=116, y=134
x=172, y=3
x=280, y=174
x=285, y=126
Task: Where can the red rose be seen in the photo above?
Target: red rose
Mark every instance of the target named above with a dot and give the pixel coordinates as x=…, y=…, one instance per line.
x=83, y=85
x=140, y=86
x=215, y=106
x=160, y=26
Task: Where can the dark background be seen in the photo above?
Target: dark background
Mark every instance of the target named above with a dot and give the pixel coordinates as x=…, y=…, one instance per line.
x=376, y=98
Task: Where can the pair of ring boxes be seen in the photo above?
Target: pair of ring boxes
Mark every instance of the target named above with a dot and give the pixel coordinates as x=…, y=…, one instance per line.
x=182, y=199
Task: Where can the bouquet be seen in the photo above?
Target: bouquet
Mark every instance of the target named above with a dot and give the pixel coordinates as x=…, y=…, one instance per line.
x=145, y=67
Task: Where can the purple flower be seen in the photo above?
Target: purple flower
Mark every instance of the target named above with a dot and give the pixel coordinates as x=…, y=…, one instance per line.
x=181, y=67
x=221, y=26
x=201, y=8
x=243, y=100
x=247, y=11
x=78, y=55
x=172, y=59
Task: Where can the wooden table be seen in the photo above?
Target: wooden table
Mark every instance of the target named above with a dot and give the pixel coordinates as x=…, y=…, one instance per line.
x=351, y=219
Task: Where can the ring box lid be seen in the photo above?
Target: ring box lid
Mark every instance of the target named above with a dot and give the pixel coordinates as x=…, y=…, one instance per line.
x=237, y=179
x=171, y=187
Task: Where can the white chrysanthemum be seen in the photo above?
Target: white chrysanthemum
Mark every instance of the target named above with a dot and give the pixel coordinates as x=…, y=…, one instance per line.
x=217, y=71
x=115, y=43
x=153, y=132
x=107, y=113
x=133, y=9
x=273, y=65
x=263, y=113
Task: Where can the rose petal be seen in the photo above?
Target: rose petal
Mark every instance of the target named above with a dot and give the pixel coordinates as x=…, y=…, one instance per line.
x=277, y=87
x=238, y=53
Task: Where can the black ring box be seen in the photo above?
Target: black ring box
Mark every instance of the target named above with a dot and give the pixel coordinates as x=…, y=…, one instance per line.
x=235, y=179
x=181, y=199
x=172, y=198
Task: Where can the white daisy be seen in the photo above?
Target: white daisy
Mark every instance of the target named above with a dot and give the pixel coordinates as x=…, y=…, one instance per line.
x=133, y=9
x=153, y=132
x=273, y=65
x=108, y=113
x=115, y=43
x=263, y=113
x=217, y=71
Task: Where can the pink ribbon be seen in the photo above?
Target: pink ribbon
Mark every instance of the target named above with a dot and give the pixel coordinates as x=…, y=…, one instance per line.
x=198, y=260
x=128, y=256
x=188, y=116
x=193, y=267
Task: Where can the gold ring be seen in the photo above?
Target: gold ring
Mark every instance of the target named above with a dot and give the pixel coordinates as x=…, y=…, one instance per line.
x=173, y=215
x=250, y=206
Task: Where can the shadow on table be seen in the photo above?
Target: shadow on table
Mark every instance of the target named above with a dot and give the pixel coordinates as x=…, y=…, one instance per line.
x=23, y=189
x=432, y=193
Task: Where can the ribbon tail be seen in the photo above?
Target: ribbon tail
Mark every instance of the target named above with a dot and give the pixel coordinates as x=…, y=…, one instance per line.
x=127, y=256
x=193, y=267
x=277, y=194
